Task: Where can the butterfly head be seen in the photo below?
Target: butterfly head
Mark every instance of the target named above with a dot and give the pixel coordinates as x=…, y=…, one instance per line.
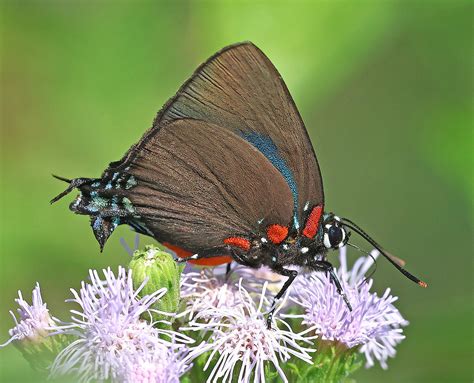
x=334, y=233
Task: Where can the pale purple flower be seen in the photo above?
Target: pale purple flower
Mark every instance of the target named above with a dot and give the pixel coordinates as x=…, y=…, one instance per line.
x=34, y=322
x=374, y=325
x=241, y=342
x=163, y=365
x=211, y=288
x=111, y=336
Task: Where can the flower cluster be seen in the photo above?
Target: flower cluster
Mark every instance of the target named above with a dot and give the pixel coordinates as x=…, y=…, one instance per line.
x=219, y=330
x=239, y=336
x=374, y=324
x=111, y=338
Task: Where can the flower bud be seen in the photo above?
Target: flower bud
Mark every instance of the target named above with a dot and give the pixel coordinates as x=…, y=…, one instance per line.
x=159, y=269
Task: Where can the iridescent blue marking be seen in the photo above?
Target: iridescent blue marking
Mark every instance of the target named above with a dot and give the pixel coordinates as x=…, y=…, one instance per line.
x=97, y=222
x=108, y=186
x=268, y=148
x=94, y=194
x=114, y=203
x=96, y=184
x=98, y=203
x=114, y=176
x=131, y=182
x=127, y=204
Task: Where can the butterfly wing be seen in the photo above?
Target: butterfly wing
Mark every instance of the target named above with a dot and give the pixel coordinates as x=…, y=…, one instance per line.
x=197, y=184
x=241, y=91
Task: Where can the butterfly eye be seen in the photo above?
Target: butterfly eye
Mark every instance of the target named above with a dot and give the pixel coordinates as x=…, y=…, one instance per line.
x=334, y=236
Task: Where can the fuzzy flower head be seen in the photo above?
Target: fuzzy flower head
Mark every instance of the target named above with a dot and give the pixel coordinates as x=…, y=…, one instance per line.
x=210, y=288
x=243, y=344
x=111, y=336
x=163, y=365
x=374, y=325
x=34, y=322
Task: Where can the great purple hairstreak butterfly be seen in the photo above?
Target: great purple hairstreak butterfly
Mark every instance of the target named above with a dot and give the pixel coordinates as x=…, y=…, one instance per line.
x=226, y=173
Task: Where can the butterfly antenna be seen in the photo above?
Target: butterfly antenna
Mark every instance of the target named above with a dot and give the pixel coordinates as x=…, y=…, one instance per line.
x=62, y=178
x=73, y=184
x=351, y=225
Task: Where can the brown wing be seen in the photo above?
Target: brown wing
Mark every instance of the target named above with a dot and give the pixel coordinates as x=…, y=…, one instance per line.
x=198, y=184
x=240, y=90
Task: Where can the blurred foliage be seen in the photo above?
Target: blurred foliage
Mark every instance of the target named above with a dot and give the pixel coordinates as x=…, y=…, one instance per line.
x=384, y=88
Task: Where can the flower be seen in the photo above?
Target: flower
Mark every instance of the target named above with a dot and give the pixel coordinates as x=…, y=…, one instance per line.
x=112, y=339
x=242, y=343
x=34, y=323
x=374, y=325
x=164, y=365
x=212, y=287
x=207, y=288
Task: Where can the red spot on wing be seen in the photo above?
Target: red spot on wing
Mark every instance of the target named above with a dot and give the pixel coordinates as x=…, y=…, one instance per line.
x=277, y=233
x=240, y=242
x=312, y=223
x=214, y=261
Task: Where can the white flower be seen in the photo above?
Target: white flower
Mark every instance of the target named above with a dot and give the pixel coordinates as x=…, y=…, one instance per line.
x=163, y=365
x=212, y=288
x=34, y=322
x=242, y=343
x=111, y=336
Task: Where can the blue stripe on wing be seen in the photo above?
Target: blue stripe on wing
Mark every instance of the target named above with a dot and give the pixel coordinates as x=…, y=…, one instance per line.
x=268, y=148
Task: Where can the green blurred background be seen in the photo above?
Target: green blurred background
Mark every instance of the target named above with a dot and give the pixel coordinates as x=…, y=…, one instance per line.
x=384, y=88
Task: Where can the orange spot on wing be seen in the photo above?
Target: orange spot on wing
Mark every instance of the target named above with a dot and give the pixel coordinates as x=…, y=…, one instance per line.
x=214, y=261
x=277, y=233
x=312, y=223
x=423, y=284
x=240, y=242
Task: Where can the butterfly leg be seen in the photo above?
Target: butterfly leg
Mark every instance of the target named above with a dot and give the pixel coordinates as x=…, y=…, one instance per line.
x=228, y=270
x=291, y=274
x=327, y=267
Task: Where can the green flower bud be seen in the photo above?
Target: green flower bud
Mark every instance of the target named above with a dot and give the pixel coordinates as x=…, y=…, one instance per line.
x=160, y=270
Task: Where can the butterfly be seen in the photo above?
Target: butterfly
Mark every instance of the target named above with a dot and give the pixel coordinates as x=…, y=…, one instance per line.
x=226, y=173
